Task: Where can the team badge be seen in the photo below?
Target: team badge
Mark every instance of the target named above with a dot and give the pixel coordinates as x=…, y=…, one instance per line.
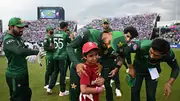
x=73, y=86
x=134, y=47
x=120, y=44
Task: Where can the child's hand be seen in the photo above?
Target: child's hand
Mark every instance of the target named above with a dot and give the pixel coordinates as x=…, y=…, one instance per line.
x=100, y=81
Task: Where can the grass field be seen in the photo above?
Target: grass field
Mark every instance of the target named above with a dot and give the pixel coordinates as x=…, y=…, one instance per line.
x=36, y=75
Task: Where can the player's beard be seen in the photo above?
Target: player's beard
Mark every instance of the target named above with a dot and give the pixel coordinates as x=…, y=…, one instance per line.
x=16, y=33
x=51, y=33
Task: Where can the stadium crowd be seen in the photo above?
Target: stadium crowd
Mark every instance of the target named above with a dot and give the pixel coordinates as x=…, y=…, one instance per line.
x=173, y=36
x=36, y=29
x=144, y=24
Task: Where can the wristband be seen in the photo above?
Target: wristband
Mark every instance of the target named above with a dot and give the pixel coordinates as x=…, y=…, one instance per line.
x=97, y=89
x=117, y=66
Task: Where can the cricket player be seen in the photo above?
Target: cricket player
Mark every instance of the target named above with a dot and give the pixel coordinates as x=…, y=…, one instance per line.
x=16, y=73
x=49, y=48
x=149, y=55
x=60, y=40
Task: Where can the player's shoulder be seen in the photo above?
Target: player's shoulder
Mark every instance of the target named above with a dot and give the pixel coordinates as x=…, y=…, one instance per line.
x=8, y=38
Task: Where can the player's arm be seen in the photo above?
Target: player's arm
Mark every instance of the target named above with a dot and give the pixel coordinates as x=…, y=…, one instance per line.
x=172, y=62
x=12, y=45
x=76, y=43
x=47, y=45
x=68, y=38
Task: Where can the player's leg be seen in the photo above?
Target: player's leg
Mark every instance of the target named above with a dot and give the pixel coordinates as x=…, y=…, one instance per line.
x=26, y=91
x=151, y=86
x=135, y=91
x=19, y=89
x=117, y=84
x=62, y=66
x=54, y=76
x=49, y=70
x=105, y=75
x=74, y=85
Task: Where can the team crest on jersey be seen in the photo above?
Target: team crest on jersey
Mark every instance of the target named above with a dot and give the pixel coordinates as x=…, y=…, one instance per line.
x=120, y=44
x=134, y=47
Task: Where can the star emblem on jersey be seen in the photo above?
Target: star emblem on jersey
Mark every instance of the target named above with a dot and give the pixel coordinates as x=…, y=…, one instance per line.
x=73, y=86
x=135, y=47
x=120, y=44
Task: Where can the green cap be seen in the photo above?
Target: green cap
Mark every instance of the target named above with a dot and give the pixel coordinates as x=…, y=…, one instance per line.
x=118, y=41
x=49, y=28
x=106, y=21
x=16, y=22
x=131, y=81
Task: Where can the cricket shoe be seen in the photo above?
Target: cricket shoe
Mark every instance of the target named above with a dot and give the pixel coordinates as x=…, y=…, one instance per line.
x=46, y=87
x=49, y=91
x=118, y=93
x=64, y=93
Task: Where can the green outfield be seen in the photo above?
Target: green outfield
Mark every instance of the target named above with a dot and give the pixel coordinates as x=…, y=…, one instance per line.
x=36, y=75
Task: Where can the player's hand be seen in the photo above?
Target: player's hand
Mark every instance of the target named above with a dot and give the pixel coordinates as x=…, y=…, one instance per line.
x=132, y=71
x=167, y=90
x=31, y=58
x=99, y=69
x=100, y=81
x=80, y=69
x=41, y=53
x=113, y=72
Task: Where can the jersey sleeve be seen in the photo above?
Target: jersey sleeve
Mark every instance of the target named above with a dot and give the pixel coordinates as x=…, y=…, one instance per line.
x=172, y=62
x=13, y=46
x=47, y=46
x=75, y=44
x=85, y=79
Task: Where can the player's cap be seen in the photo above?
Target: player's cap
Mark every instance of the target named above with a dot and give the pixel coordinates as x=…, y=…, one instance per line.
x=88, y=46
x=105, y=21
x=49, y=28
x=17, y=22
x=118, y=41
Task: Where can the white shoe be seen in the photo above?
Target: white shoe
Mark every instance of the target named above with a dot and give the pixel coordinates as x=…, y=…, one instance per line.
x=49, y=91
x=46, y=87
x=64, y=93
x=118, y=93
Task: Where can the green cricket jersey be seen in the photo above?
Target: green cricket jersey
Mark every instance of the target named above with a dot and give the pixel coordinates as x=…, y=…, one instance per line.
x=142, y=60
x=49, y=50
x=16, y=54
x=90, y=35
x=60, y=40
